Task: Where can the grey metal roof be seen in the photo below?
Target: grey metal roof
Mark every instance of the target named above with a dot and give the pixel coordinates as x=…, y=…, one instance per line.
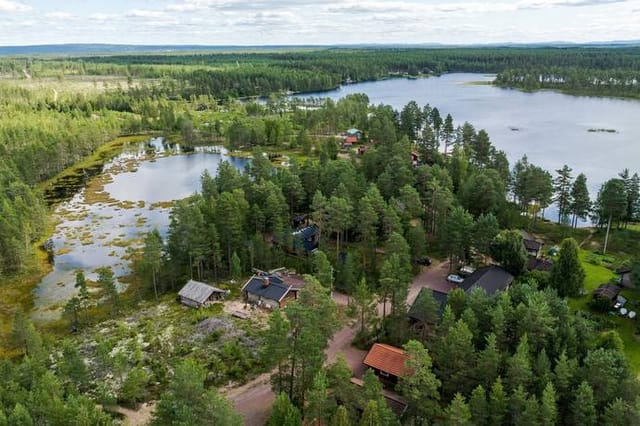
x=491, y=278
x=441, y=298
x=198, y=291
x=267, y=286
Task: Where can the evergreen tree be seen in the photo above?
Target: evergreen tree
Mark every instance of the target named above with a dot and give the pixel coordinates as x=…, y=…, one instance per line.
x=73, y=367
x=236, y=267
x=319, y=408
x=106, y=281
x=583, y=408
x=185, y=401
x=488, y=362
x=25, y=336
x=134, y=387
x=485, y=229
x=322, y=268
x=341, y=417
x=458, y=413
x=567, y=274
x=370, y=415
x=20, y=416
x=366, y=306
x=519, y=366
x=548, y=408
x=421, y=387
x=508, y=249
x=580, y=201
x=479, y=407
x=152, y=257
x=455, y=236
x=284, y=413
x=562, y=187
x=611, y=205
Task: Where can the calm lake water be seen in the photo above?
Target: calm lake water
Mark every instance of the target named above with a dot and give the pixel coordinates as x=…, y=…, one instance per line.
x=92, y=234
x=552, y=129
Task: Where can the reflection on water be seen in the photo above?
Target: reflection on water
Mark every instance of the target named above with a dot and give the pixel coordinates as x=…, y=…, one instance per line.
x=95, y=234
x=551, y=128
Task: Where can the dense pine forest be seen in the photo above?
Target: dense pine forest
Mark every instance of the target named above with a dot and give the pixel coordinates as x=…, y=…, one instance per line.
x=417, y=183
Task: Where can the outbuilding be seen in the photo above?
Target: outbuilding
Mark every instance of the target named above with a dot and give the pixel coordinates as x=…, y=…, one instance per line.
x=197, y=294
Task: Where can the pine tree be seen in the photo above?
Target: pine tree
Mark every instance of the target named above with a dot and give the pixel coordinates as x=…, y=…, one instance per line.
x=236, y=266
x=366, y=306
x=420, y=388
x=562, y=188
x=519, y=366
x=548, y=408
x=580, y=201
x=152, y=257
x=370, y=415
x=530, y=415
x=20, y=416
x=318, y=408
x=488, y=362
x=583, y=407
x=341, y=417
x=498, y=401
x=458, y=413
x=485, y=229
x=479, y=406
x=517, y=405
x=284, y=413
x=25, y=336
x=106, y=280
x=508, y=249
x=567, y=274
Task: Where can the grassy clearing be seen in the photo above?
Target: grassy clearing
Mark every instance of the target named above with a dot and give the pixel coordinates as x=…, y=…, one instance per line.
x=596, y=274
x=52, y=87
x=17, y=291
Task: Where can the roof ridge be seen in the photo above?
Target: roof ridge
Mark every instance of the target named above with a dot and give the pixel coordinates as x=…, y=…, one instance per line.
x=393, y=348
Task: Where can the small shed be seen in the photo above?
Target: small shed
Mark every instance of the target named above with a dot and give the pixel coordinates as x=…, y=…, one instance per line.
x=624, y=275
x=608, y=292
x=197, y=294
x=532, y=245
x=539, y=264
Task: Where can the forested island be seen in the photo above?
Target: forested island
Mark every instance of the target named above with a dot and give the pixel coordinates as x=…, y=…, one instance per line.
x=377, y=227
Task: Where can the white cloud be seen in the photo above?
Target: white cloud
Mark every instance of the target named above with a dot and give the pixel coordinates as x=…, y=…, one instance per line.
x=61, y=16
x=13, y=6
x=246, y=22
x=144, y=13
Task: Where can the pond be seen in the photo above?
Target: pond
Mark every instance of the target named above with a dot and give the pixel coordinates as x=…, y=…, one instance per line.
x=595, y=136
x=131, y=196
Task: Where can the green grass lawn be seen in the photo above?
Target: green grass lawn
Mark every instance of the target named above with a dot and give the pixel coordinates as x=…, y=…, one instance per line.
x=594, y=276
x=626, y=328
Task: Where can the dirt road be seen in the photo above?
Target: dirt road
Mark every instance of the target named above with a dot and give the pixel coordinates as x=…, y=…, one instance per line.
x=254, y=399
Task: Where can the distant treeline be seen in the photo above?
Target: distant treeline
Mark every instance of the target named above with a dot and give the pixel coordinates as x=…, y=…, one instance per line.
x=603, y=71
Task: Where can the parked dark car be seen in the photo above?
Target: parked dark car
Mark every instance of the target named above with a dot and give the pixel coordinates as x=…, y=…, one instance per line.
x=424, y=261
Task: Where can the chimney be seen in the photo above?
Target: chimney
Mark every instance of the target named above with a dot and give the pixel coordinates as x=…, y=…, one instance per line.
x=265, y=281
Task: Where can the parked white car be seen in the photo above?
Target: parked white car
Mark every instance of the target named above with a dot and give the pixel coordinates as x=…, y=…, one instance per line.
x=453, y=278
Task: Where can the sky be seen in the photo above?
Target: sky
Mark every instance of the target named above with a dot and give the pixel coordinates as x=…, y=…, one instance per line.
x=310, y=22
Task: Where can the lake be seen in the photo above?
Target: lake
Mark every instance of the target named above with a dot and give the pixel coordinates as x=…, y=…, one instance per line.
x=551, y=128
x=130, y=197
